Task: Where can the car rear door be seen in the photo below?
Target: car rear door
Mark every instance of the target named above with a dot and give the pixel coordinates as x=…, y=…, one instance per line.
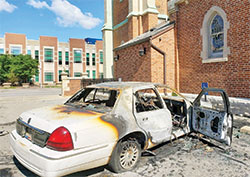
x=211, y=115
x=152, y=115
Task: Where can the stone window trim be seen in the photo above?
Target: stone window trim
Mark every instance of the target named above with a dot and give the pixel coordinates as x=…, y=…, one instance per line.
x=205, y=33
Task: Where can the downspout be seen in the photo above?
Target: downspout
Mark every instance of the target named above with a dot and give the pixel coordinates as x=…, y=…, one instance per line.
x=164, y=58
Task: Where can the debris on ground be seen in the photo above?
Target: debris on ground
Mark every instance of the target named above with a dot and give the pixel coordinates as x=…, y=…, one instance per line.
x=237, y=134
x=194, y=142
x=245, y=129
x=3, y=132
x=209, y=149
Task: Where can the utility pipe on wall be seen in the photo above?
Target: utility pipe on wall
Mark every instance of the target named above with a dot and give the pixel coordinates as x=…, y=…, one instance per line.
x=164, y=58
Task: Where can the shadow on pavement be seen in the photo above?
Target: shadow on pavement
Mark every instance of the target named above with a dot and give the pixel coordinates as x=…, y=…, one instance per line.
x=87, y=172
x=23, y=169
x=6, y=172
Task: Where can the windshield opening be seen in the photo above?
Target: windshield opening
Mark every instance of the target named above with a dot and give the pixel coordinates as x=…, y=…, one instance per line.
x=98, y=99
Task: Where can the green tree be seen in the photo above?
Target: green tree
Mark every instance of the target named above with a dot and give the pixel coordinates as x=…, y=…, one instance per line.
x=24, y=67
x=5, y=65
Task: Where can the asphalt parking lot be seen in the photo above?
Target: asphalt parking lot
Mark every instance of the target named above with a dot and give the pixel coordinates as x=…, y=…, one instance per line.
x=191, y=155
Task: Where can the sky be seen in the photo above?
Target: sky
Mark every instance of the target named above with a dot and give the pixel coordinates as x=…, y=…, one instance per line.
x=60, y=18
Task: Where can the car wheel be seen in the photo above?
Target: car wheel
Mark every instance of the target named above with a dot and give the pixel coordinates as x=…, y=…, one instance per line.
x=125, y=156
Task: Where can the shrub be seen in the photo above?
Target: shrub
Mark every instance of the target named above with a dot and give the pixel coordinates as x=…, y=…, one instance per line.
x=17, y=68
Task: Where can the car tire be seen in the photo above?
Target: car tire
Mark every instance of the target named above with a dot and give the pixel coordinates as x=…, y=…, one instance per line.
x=125, y=156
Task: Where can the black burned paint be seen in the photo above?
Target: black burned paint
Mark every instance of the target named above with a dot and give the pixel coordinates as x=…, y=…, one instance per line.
x=118, y=122
x=70, y=109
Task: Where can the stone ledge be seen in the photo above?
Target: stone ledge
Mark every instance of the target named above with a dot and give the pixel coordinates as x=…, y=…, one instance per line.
x=245, y=129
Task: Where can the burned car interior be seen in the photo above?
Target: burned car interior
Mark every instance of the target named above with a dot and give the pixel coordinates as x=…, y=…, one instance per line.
x=101, y=99
x=148, y=100
x=178, y=111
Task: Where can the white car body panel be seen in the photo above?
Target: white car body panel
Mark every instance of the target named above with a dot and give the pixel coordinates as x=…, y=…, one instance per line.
x=47, y=162
x=94, y=134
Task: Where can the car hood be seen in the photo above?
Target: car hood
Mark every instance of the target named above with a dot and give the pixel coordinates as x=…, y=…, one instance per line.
x=51, y=117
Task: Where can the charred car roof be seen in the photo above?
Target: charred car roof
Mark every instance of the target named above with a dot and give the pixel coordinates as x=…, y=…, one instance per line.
x=121, y=85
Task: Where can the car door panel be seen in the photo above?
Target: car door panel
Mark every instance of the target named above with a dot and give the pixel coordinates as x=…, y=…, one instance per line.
x=154, y=120
x=158, y=124
x=216, y=124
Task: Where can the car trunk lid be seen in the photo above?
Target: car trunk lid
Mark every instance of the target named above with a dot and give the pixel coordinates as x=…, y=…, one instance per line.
x=36, y=125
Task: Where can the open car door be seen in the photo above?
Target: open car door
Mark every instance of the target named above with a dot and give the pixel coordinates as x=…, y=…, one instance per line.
x=211, y=115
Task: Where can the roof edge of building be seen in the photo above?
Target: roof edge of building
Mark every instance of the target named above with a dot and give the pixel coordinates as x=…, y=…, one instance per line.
x=139, y=41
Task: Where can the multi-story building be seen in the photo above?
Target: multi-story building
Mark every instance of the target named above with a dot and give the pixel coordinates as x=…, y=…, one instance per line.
x=75, y=57
x=202, y=42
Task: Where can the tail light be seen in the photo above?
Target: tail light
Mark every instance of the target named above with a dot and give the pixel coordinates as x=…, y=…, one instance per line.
x=60, y=140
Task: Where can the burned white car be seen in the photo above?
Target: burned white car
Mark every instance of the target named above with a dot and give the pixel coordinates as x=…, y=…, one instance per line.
x=112, y=123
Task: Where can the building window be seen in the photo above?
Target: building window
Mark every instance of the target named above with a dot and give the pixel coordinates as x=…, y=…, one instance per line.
x=60, y=57
x=48, y=76
x=101, y=75
x=67, y=71
x=48, y=55
x=66, y=58
x=88, y=73
x=101, y=57
x=37, y=54
x=214, y=36
x=77, y=74
x=93, y=73
x=59, y=74
x=93, y=59
x=1, y=51
x=28, y=52
x=37, y=78
x=87, y=59
x=77, y=56
x=15, y=50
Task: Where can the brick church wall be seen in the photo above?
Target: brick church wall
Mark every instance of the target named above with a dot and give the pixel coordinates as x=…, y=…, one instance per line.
x=233, y=75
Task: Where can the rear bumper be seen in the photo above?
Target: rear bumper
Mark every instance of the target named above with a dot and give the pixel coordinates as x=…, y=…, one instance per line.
x=46, y=162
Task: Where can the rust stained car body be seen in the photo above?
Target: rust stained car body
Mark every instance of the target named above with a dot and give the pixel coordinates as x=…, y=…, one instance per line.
x=111, y=123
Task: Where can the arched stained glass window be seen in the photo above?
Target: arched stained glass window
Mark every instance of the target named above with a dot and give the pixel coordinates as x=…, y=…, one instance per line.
x=214, y=36
x=217, y=36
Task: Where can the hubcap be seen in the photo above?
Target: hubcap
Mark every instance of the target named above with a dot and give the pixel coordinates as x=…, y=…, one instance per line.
x=129, y=155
